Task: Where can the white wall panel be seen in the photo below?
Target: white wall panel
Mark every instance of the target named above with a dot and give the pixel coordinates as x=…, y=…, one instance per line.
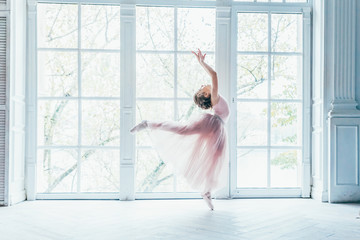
x=17, y=103
x=335, y=147
x=2, y=155
x=344, y=160
x=346, y=156
x=344, y=118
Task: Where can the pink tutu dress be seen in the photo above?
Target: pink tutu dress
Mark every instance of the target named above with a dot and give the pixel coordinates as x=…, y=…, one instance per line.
x=197, y=150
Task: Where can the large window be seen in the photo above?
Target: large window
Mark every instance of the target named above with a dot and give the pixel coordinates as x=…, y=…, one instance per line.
x=167, y=77
x=78, y=98
x=103, y=67
x=269, y=100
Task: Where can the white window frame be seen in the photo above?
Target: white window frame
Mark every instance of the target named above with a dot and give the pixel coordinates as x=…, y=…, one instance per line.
x=174, y=100
x=304, y=189
x=79, y=99
x=225, y=63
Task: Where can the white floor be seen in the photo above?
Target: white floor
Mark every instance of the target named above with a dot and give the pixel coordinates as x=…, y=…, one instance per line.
x=180, y=219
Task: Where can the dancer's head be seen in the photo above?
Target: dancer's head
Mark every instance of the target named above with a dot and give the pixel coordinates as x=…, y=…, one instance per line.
x=202, y=97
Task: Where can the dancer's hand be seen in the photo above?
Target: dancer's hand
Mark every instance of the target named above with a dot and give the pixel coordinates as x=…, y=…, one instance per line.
x=214, y=90
x=200, y=57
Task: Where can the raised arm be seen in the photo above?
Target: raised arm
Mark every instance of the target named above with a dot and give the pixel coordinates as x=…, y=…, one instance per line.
x=214, y=89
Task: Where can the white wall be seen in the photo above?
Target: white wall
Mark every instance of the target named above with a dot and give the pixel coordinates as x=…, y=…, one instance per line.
x=17, y=101
x=319, y=110
x=336, y=87
x=357, y=55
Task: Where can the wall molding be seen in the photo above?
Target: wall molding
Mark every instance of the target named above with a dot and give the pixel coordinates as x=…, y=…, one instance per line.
x=344, y=170
x=343, y=53
x=31, y=110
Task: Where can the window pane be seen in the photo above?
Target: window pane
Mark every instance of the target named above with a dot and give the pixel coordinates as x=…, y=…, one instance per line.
x=252, y=32
x=154, y=28
x=286, y=124
x=152, y=111
x=100, y=123
x=285, y=167
x=57, y=74
x=100, y=170
x=251, y=124
x=100, y=74
x=57, y=122
x=57, y=25
x=286, y=82
x=285, y=120
x=252, y=76
x=57, y=170
x=191, y=75
x=100, y=27
x=252, y=168
x=286, y=32
x=154, y=75
x=196, y=28
x=152, y=174
x=187, y=110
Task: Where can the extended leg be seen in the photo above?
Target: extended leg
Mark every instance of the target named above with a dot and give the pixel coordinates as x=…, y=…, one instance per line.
x=176, y=127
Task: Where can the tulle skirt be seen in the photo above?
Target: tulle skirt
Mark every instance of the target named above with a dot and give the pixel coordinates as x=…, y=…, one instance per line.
x=196, y=150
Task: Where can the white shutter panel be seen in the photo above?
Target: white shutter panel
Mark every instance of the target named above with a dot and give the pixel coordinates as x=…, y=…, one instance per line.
x=3, y=116
x=2, y=156
x=2, y=61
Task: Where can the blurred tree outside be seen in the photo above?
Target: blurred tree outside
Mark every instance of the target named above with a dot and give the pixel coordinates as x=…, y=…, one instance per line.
x=58, y=119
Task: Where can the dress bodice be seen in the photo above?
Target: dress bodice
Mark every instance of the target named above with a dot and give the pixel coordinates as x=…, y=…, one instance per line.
x=222, y=109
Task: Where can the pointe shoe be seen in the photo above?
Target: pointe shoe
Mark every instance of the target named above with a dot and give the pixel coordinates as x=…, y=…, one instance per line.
x=207, y=198
x=141, y=126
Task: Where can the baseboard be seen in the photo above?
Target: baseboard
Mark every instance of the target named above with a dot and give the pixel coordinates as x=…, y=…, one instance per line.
x=318, y=194
x=17, y=197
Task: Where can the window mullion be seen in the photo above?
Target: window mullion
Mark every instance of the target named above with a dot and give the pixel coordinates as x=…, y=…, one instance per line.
x=176, y=112
x=128, y=100
x=79, y=103
x=269, y=105
x=306, y=96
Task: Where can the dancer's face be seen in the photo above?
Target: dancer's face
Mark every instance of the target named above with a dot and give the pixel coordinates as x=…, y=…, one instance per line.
x=204, y=90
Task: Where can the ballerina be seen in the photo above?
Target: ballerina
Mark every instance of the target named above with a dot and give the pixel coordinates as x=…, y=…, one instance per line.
x=197, y=150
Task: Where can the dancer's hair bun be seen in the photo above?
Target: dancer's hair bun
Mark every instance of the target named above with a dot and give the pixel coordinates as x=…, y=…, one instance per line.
x=202, y=101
